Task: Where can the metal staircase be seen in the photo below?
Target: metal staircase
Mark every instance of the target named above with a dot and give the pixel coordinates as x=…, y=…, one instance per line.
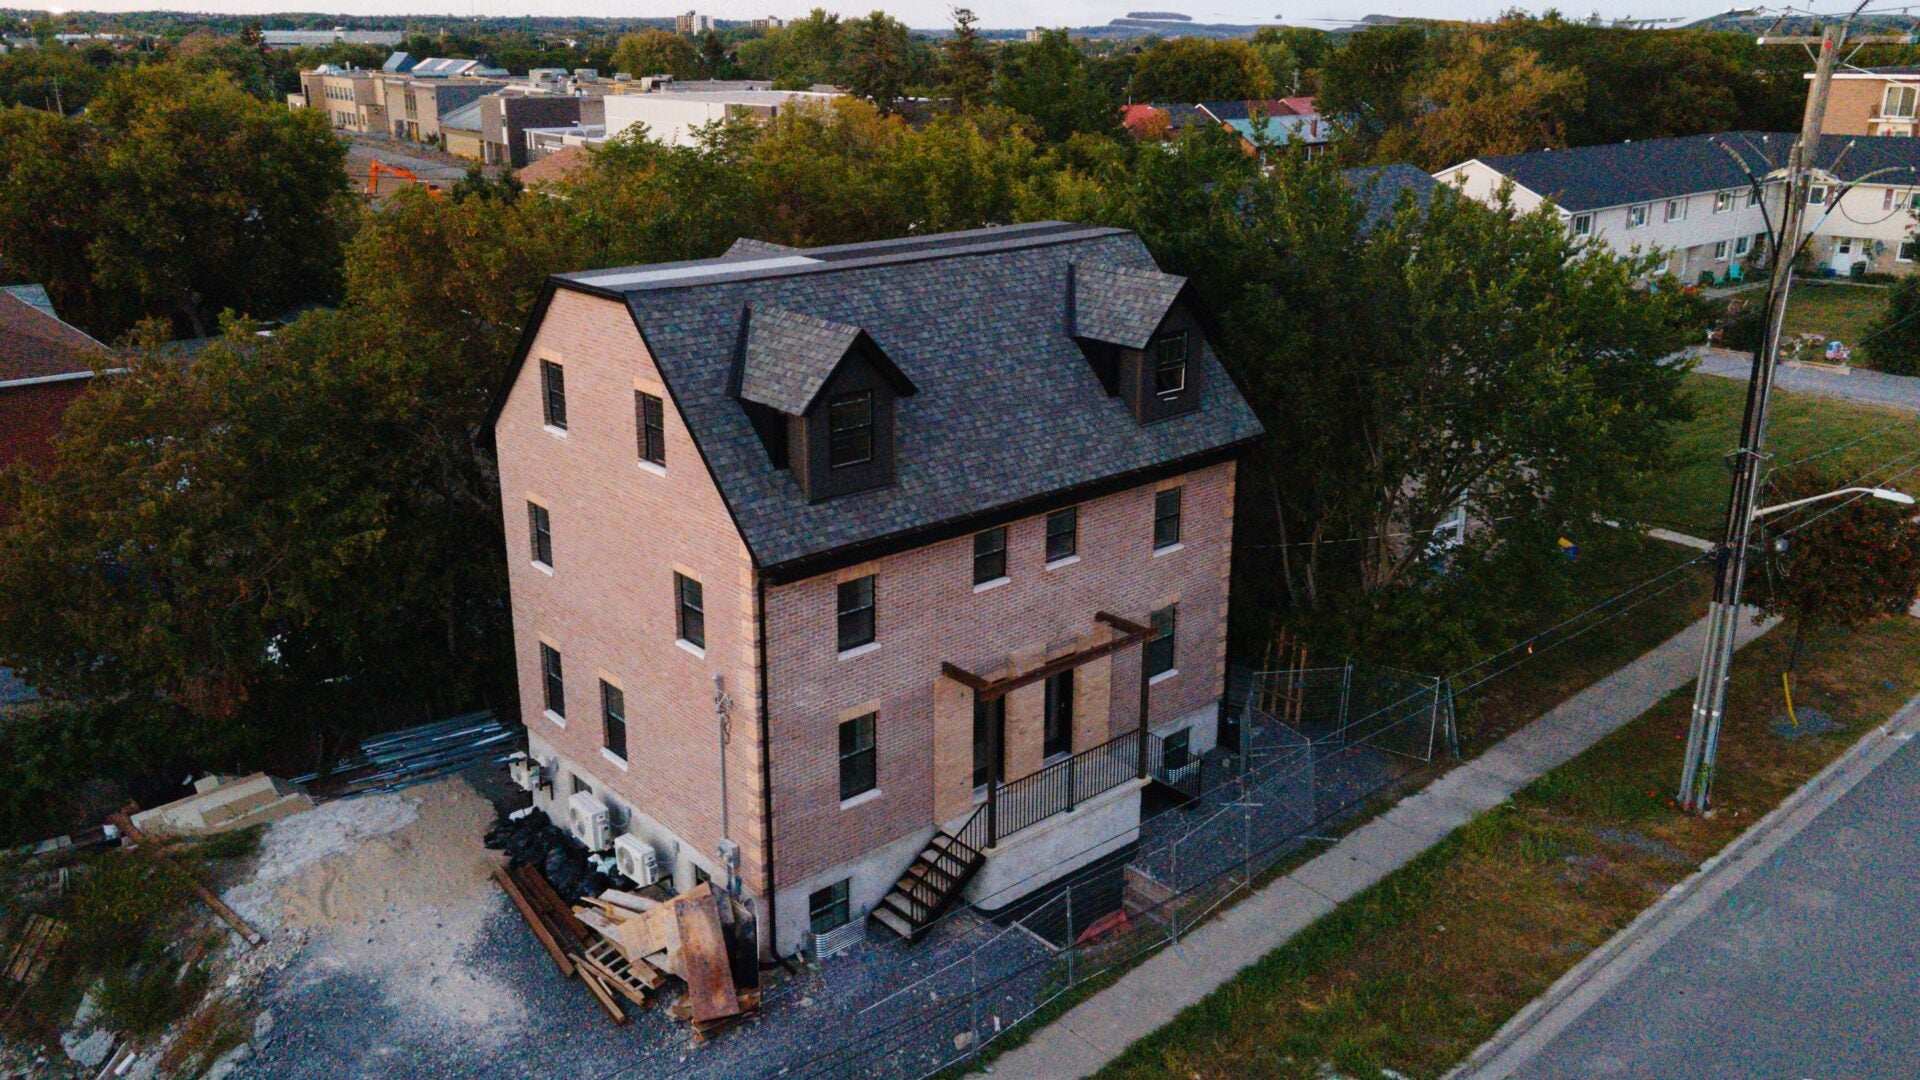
x=931, y=884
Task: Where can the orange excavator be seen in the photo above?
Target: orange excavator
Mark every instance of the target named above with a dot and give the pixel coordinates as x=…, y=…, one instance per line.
x=375, y=168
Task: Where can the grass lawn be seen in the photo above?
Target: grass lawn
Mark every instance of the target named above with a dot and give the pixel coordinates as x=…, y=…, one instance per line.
x=1832, y=310
x=1691, y=496
x=1417, y=971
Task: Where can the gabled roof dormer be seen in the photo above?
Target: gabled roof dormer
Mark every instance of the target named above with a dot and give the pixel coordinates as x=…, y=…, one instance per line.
x=823, y=397
x=1141, y=332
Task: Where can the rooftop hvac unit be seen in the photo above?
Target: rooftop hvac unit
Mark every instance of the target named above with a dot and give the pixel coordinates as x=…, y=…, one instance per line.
x=637, y=860
x=588, y=821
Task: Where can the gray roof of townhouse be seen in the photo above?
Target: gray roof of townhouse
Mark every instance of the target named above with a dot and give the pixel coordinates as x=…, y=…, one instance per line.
x=1008, y=415
x=788, y=358
x=1615, y=174
x=464, y=118
x=1618, y=174
x=1379, y=187
x=1121, y=305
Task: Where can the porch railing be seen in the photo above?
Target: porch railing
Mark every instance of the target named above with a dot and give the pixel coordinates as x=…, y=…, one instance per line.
x=1063, y=785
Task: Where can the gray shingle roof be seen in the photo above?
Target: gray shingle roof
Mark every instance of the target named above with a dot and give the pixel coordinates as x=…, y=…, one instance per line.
x=1009, y=412
x=789, y=357
x=1379, y=187
x=1592, y=177
x=1121, y=305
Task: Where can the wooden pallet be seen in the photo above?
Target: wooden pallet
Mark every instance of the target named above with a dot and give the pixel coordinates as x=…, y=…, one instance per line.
x=632, y=981
x=35, y=950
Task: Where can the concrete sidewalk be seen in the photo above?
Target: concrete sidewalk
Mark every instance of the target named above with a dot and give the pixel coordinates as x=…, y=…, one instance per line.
x=1859, y=385
x=1152, y=994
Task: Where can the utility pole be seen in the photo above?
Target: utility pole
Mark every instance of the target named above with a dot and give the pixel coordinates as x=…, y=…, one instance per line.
x=1749, y=470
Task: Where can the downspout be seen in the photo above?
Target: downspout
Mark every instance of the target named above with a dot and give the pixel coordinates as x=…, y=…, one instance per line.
x=766, y=764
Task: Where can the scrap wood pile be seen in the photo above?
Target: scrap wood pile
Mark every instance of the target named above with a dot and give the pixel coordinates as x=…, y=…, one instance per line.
x=629, y=947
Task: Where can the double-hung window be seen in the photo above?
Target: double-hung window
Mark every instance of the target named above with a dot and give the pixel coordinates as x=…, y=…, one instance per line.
x=856, y=613
x=540, y=525
x=1159, y=651
x=989, y=555
x=553, y=394
x=1583, y=224
x=857, y=757
x=556, y=686
x=1723, y=201
x=1637, y=216
x=1741, y=244
x=850, y=429
x=1166, y=519
x=691, y=618
x=649, y=418
x=1899, y=102
x=1677, y=209
x=1720, y=251
x=613, y=714
x=1817, y=195
x=1063, y=534
x=1170, y=365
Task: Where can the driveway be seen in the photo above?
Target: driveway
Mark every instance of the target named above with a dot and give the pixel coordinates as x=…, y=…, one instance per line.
x=1806, y=966
x=1866, y=387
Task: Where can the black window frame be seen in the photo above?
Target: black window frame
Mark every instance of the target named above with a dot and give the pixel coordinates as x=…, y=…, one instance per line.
x=553, y=679
x=830, y=908
x=839, y=435
x=1063, y=543
x=859, y=761
x=1176, y=750
x=553, y=394
x=613, y=719
x=690, y=610
x=650, y=427
x=989, y=553
x=1166, y=525
x=540, y=530
x=855, y=623
x=1158, y=653
x=1162, y=363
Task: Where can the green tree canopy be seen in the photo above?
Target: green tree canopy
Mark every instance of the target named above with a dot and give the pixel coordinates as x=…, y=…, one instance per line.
x=879, y=64
x=1049, y=80
x=1201, y=69
x=187, y=195
x=656, y=52
x=967, y=69
x=1893, y=342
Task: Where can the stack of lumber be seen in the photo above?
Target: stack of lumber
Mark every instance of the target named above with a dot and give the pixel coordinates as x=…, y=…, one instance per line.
x=626, y=946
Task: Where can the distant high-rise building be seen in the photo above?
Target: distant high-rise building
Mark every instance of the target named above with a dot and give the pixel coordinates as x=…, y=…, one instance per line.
x=692, y=23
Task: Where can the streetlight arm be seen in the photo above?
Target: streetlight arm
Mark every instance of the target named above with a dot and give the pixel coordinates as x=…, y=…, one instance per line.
x=1887, y=494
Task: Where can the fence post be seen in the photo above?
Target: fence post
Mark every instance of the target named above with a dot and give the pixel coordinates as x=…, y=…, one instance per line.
x=1073, y=944
x=1346, y=689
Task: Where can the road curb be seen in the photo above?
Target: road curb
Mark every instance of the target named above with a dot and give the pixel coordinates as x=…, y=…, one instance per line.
x=1681, y=904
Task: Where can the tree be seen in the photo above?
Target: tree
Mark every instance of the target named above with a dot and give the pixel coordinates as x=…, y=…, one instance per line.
x=1485, y=98
x=877, y=64
x=713, y=53
x=1893, y=342
x=1049, y=81
x=1201, y=69
x=1838, y=564
x=968, y=70
x=656, y=52
x=810, y=50
x=1364, y=85
x=187, y=195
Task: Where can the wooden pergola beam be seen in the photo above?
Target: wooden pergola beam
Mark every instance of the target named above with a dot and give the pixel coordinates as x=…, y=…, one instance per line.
x=1130, y=634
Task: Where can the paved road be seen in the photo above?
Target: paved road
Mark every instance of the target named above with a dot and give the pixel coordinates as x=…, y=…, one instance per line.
x=1808, y=967
x=1866, y=387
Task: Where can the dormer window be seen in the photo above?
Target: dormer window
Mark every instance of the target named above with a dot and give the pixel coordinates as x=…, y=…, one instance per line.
x=1141, y=331
x=823, y=397
x=1170, y=364
x=850, y=430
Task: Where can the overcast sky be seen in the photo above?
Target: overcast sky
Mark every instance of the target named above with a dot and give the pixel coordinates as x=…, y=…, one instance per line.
x=926, y=13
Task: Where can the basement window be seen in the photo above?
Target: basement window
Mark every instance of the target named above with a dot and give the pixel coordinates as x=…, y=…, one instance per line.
x=829, y=909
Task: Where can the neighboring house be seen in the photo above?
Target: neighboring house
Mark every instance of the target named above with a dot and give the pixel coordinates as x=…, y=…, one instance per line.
x=403, y=99
x=1380, y=188
x=1153, y=122
x=674, y=117
x=1872, y=101
x=555, y=167
x=1278, y=121
x=1691, y=198
x=840, y=573
x=1686, y=196
x=354, y=99
x=45, y=364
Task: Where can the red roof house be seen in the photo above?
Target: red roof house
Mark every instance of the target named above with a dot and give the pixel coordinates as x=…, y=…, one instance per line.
x=44, y=365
